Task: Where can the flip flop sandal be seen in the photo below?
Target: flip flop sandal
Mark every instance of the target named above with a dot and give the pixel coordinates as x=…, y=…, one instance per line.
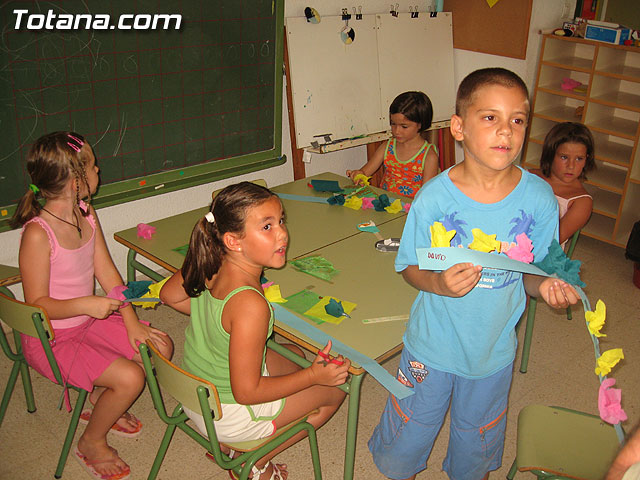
x=89, y=466
x=275, y=475
x=116, y=429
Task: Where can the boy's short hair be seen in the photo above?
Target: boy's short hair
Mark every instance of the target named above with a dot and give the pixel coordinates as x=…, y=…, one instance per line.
x=567, y=132
x=483, y=77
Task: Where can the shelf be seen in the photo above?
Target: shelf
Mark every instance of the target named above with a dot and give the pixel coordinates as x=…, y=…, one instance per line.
x=600, y=227
x=604, y=202
x=539, y=128
x=573, y=55
x=612, y=113
x=608, y=177
x=551, y=79
x=612, y=149
x=618, y=62
x=614, y=121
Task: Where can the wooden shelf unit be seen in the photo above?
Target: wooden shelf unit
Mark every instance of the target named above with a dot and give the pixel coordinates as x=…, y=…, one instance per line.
x=610, y=107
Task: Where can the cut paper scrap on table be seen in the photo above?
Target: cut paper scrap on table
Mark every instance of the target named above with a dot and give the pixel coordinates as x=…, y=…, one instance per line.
x=145, y=231
x=181, y=250
x=272, y=294
x=353, y=202
x=316, y=266
x=326, y=186
x=302, y=301
x=387, y=380
x=318, y=311
x=395, y=207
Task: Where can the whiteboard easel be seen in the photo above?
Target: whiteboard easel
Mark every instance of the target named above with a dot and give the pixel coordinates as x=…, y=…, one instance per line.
x=345, y=90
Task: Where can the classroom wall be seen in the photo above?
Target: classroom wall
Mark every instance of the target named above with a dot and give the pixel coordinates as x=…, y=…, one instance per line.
x=546, y=14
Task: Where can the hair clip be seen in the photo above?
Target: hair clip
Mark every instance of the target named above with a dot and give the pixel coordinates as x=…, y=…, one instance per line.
x=75, y=147
x=75, y=139
x=33, y=188
x=210, y=218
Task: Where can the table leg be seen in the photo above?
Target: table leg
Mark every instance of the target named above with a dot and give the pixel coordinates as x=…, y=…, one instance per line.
x=352, y=425
x=133, y=265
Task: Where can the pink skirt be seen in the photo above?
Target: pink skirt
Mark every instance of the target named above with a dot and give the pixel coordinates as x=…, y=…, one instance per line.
x=83, y=352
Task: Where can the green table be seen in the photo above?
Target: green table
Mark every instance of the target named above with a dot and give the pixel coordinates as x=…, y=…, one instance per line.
x=367, y=277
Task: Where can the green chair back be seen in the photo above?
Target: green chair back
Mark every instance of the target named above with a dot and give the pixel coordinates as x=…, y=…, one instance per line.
x=556, y=442
x=531, y=314
x=33, y=321
x=201, y=396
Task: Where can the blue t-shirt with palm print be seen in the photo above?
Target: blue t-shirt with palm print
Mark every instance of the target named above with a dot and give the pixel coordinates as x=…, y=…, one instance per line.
x=473, y=336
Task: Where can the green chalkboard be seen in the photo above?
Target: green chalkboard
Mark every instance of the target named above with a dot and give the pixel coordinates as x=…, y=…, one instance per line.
x=163, y=108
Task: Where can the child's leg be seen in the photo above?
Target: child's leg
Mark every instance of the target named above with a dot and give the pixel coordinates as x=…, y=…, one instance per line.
x=123, y=381
x=478, y=422
x=326, y=400
x=402, y=441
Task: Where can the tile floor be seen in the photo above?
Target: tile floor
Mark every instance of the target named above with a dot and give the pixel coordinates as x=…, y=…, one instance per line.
x=560, y=373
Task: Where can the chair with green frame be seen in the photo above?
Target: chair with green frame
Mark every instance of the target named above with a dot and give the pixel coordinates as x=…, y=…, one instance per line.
x=555, y=443
x=201, y=396
x=33, y=321
x=531, y=314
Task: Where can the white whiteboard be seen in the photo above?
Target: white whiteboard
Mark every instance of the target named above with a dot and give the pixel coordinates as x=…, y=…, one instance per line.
x=346, y=90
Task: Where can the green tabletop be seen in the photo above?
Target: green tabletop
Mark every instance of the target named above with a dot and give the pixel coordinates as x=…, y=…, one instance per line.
x=311, y=225
x=367, y=277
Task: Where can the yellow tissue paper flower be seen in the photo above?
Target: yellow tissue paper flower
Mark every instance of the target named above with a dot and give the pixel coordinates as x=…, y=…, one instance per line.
x=596, y=319
x=361, y=179
x=608, y=360
x=483, y=242
x=395, y=207
x=440, y=236
x=154, y=292
x=272, y=294
x=353, y=202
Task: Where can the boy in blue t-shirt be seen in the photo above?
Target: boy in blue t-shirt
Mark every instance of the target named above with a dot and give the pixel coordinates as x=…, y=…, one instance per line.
x=460, y=341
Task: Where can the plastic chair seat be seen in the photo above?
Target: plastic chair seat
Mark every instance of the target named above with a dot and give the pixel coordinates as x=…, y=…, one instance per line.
x=558, y=442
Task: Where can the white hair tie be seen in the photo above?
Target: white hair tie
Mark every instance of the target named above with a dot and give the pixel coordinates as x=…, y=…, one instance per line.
x=210, y=218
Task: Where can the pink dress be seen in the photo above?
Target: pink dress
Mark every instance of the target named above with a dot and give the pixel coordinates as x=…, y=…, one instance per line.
x=83, y=346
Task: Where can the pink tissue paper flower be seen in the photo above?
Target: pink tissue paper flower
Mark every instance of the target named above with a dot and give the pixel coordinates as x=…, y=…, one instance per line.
x=522, y=250
x=406, y=207
x=145, y=231
x=609, y=402
x=367, y=203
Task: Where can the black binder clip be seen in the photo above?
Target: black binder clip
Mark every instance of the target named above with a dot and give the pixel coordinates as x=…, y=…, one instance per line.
x=414, y=13
x=394, y=10
x=346, y=16
x=358, y=14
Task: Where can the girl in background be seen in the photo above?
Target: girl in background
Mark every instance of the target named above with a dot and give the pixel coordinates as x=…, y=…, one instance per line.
x=408, y=159
x=62, y=253
x=567, y=156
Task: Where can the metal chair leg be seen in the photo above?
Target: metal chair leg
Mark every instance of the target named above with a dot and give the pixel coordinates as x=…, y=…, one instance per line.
x=531, y=316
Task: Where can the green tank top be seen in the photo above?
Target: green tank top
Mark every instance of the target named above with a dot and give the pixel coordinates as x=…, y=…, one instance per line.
x=206, y=346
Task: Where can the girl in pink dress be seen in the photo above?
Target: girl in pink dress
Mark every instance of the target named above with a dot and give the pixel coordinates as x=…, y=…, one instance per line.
x=567, y=156
x=62, y=253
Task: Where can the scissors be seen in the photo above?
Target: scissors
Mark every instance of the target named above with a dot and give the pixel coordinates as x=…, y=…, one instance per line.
x=329, y=358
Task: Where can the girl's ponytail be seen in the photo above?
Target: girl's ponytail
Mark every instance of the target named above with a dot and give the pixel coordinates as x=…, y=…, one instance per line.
x=203, y=258
x=28, y=207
